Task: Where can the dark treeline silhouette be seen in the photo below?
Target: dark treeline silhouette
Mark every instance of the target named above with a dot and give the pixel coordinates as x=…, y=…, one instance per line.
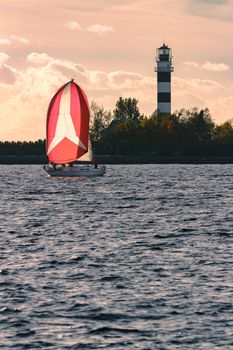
x=183, y=133
x=126, y=131
x=22, y=147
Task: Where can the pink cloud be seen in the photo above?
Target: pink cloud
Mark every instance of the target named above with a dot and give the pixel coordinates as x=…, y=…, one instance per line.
x=93, y=28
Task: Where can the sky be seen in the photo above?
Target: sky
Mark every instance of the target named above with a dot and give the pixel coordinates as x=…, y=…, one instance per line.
x=109, y=48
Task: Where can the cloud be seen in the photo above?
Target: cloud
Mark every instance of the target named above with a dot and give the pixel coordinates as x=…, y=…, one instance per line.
x=3, y=57
x=29, y=95
x=29, y=91
x=4, y=41
x=19, y=39
x=210, y=66
x=215, y=67
x=93, y=28
x=204, y=85
x=39, y=58
x=196, y=85
x=216, y=9
x=191, y=64
x=97, y=5
x=99, y=29
x=189, y=93
x=219, y=107
x=7, y=74
x=13, y=39
x=212, y=2
x=73, y=25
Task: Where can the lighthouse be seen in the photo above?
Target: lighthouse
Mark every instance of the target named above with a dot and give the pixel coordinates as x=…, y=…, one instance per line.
x=164, y=68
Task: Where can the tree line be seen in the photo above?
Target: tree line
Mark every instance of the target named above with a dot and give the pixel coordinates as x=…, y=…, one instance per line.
x=125, y=131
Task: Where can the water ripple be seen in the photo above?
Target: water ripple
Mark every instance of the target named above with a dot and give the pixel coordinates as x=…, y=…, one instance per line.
x=138, y=259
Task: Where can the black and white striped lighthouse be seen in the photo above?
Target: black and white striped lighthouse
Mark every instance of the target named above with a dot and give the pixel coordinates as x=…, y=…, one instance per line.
x=164, y=68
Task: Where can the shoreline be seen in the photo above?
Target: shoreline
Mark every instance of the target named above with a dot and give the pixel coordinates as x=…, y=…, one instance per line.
x=108, y=159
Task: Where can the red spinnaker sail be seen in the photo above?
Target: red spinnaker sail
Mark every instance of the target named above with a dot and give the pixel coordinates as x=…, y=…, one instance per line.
x=67, y=124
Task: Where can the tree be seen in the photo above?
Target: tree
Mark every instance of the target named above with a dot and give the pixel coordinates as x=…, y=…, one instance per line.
x=223, y=139
x=199, y=124
x=126, y=108
x=22, y=147
x=224, y=133
x=125, y=137
x=99, y=121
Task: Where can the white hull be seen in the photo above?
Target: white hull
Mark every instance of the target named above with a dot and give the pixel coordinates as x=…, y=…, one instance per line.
x=75, y=171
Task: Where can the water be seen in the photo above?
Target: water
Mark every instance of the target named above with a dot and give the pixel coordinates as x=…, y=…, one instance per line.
x=138, y=259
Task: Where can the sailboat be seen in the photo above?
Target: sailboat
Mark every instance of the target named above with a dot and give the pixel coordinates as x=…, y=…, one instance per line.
x=68, y=143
